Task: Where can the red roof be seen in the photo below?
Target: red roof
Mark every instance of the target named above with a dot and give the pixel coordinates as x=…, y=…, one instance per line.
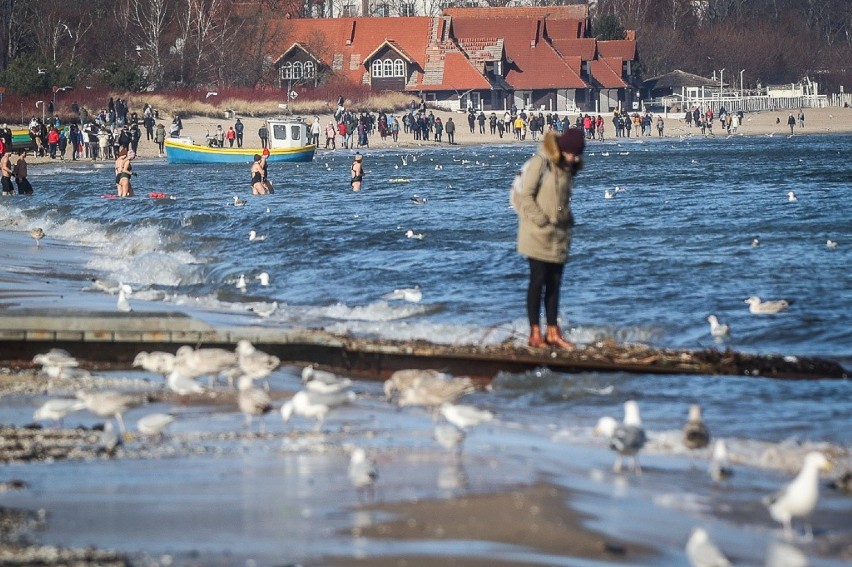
x=569, y=12
x=459, y=75
x=607, y=73
x=585, y=48
x=565, y=29
x=535, y=64
x=623, y=48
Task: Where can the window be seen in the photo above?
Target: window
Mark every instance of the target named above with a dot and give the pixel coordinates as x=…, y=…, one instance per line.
x=309, y=70
x=398, y=68
x=407, y=9
x=377, y=68
x=287, y=71
x=348, y=11
x=388, y=68
x=383, y=10
x=279, y=132
x=295, y=132
x=297, y=70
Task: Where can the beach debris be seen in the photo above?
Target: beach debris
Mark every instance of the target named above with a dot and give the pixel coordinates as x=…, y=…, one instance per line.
x=702, y=552
x=799, y=498
x=717, y=329
x=760, y=307
x=696, y=435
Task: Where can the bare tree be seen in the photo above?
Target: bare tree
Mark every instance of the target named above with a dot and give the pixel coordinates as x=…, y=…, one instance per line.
x=148, y=21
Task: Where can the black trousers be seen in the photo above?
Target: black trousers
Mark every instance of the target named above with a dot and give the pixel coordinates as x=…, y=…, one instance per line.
x=544, y=277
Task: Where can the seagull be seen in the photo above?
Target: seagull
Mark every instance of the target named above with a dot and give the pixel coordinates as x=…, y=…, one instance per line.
x=323, y=380
x=210, y=93
x=755, y=243
x=238, y=202
x=154, y=424
x=696, y=435
x=241, y=282
x=464, y=416
x=253, y=236
x=57, y=409
x=418, y=200
x=406, y=379
x=791, y=197
x=719, y=468
x=409, y=294
x=759, y=307
x=183, y=385
x=157, y=362
x=37, y=234
x=450, y=437
x=626, y=438
x=139, y=49
x=830, y=244
x=427, y=390
x=362, y=470
x=55, y=361
x=256, y=364
x=799, y=498
x=315, y=405
x=109, y=404
x=414, y=235
x=702, y=552
x=717, y=329
x=263, y=277
x=194, y=363
x=252, y=401
x=609, y=194
x=122, y=304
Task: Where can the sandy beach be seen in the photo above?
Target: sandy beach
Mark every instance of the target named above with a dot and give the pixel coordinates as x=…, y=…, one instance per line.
x=772, y=123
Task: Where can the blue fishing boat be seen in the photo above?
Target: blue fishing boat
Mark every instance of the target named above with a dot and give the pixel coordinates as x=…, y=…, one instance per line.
x=288, y=142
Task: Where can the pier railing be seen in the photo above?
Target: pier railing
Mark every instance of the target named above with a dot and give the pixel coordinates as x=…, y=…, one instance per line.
x=677, y=104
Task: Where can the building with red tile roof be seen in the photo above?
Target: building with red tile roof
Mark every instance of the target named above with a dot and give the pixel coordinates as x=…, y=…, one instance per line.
x=489, y=58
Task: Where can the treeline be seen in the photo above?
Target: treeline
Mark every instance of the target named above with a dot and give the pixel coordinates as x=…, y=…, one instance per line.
x=773, y=41
x=133, y=44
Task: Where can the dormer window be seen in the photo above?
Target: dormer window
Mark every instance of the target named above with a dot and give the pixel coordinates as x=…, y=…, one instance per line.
x=387, y=68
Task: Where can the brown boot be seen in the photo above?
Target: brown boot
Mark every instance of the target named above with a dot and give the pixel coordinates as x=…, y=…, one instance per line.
x=554, y=338
x=536, y=340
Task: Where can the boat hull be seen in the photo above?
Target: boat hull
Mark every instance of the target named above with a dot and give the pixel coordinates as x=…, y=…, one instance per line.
x=181, y=152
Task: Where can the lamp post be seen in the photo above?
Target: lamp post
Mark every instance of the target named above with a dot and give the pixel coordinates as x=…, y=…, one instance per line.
x=721, y=85
x=742, y=86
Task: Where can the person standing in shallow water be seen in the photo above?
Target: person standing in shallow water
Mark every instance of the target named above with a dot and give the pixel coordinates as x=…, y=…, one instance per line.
x=357, y=172
x=544, y=228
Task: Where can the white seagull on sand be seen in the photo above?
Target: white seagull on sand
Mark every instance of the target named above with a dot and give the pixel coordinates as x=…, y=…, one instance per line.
x=719, y=468
x=314, y=405
x=760, y=307
x=37, y=234
x=124, y=291
x=717, y=329
x=57, y=409
x=702, y=552
x=254, y=363
x=109, y=404
x=252, y=401
x=626, y=438
x=158, y=362
x=154, y=424
x=696, y=435
x=799, y=498
x=55, y=362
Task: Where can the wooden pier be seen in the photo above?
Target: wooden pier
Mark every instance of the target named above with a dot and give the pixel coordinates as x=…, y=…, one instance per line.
x=111, y=340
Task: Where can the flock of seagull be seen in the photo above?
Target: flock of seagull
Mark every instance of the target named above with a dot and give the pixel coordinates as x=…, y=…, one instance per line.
x=323, y=392
x=796, y=500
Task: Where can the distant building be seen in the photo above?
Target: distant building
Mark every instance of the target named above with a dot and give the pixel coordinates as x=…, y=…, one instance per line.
x=488, y=58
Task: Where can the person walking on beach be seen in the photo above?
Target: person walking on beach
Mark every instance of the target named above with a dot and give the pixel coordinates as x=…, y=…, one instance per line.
x=791, y=122
x=238, y=130
x=231, y=135
x=20, y=171
x=160, y=139
x=801, y=118
x=357, y=172
x=544, y=228
x=330, y=134
x=450, y=128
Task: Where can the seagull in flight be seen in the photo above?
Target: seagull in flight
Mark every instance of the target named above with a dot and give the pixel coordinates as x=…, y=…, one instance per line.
x=40, y=71
x=210, y=93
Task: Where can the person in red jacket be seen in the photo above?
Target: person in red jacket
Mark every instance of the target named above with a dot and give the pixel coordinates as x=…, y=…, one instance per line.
x=53, y=141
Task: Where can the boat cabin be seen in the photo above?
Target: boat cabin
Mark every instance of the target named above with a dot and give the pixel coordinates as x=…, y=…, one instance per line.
x=287, y=133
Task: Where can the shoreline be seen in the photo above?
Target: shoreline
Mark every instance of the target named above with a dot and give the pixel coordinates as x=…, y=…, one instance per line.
x=819, y=121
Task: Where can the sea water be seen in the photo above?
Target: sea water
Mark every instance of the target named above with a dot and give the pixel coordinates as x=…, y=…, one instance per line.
x=673, y=245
